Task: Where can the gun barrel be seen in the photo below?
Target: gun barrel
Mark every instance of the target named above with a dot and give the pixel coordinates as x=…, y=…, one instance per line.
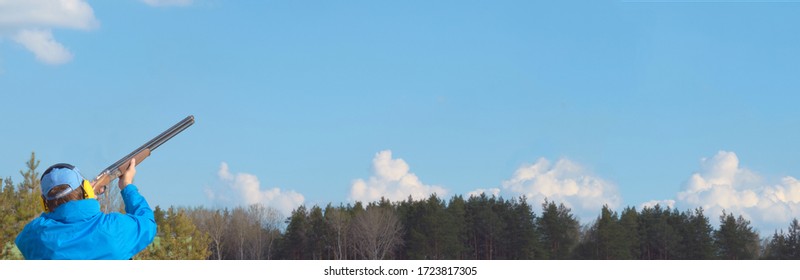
x=153, y=143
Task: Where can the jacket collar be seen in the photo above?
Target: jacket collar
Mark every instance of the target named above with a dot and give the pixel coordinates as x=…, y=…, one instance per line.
x=76, y=210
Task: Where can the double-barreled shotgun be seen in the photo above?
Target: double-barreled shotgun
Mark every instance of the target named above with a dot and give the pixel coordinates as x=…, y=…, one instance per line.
x=115, y=170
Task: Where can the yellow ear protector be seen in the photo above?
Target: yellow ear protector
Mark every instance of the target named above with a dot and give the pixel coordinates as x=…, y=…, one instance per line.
x=44, y=204
x=88, y=191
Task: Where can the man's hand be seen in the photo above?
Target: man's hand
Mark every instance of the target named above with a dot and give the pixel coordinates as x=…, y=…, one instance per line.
x=127, y=177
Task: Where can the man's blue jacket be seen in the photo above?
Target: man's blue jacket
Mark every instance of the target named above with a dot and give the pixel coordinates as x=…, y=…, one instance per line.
x=77, y=230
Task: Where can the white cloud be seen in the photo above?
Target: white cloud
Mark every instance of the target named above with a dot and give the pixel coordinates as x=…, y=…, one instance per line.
x=664, y=203
x=392, y=180
x=42, y=44
x=245, y=189
x=489, y=192
x=721, y=184
x=163, y=3
x=30, y=23
x=72, y=14
x=566, y=182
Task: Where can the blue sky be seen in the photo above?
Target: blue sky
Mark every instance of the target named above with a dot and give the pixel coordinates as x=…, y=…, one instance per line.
x=308, y=102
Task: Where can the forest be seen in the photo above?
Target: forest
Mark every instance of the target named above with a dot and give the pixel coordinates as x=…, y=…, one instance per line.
x=458, y=228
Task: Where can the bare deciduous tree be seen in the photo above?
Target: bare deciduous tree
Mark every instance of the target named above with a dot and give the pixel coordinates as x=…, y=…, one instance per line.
x=339, y=222
x=238, y=233
x=376, y=232
x=111, y=200
x=264, y=229
x=214, y=223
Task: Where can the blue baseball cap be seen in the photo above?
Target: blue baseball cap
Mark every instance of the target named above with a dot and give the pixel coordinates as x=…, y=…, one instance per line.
x=60, y=174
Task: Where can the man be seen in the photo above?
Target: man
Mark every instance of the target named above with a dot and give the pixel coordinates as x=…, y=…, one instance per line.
x=72, y=226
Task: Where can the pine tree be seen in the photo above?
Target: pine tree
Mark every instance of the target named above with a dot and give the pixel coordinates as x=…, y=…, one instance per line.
x=160, y=215
x=177, y=239
x=736, y=239
x=485, y=226
x=630, y=232
x=318, y=241
x=411, y=213
x=776, y=248
x=697, y=240
x=793, y=240
x=436, y=227
x=521, y=232
x=609, y=232
x=9, y=223
x=19, y=206
x=605, y=239
x=456, y=247
x=559, y=229
x=659, y=233
x=784, y=246
x=29, y=192
x=295, y=246
x=429, y=233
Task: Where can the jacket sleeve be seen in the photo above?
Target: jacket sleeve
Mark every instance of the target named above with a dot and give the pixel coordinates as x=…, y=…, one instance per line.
x=138, y=226
x=27, y=240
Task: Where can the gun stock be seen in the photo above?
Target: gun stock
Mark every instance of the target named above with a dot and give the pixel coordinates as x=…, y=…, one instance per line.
x=115, y=170
x=102, y=180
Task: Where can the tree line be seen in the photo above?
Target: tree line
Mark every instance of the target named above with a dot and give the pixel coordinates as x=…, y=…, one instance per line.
x=478, y=227
x=488, y=227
